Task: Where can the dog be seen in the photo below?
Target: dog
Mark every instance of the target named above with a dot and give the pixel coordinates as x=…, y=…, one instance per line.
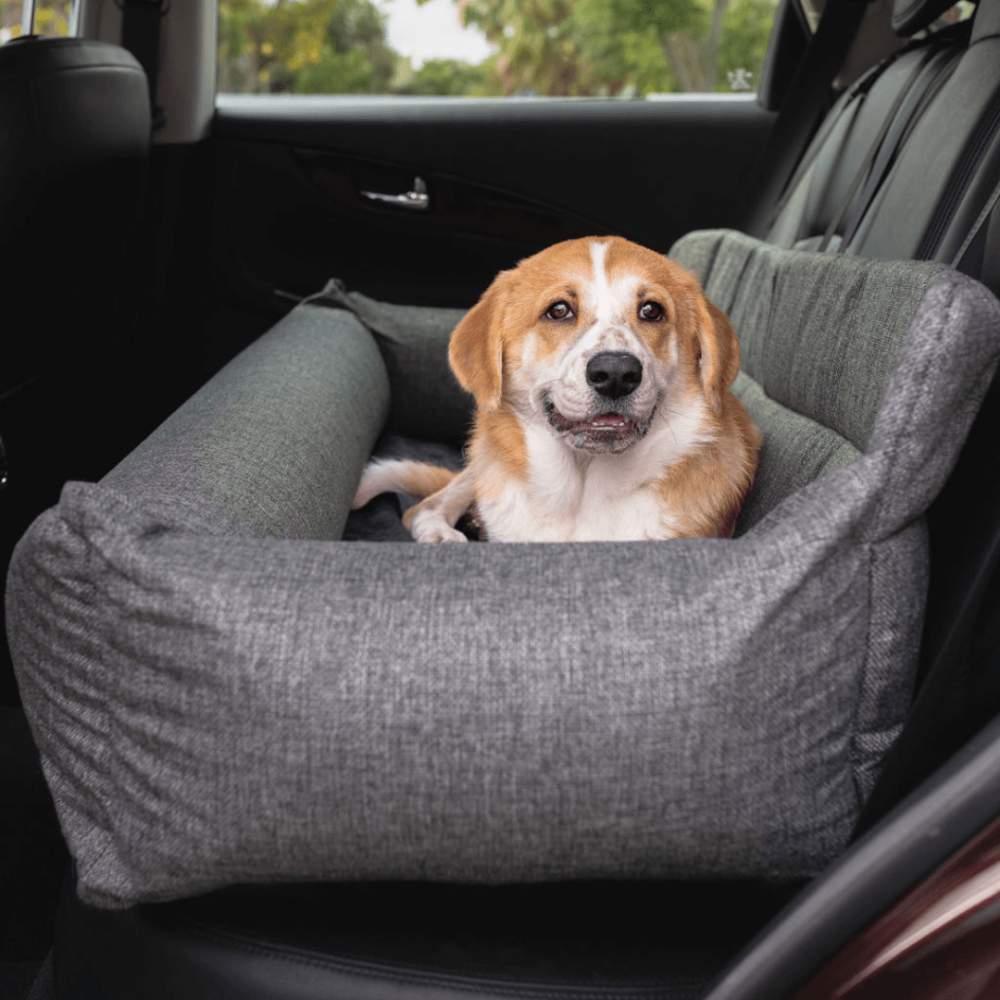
x=601, y=374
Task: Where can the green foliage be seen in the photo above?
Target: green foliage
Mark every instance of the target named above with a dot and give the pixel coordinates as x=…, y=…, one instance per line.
x=448, y=78
x=745, y=34
x=306, y=46
x=52, y=18
x=548, y=47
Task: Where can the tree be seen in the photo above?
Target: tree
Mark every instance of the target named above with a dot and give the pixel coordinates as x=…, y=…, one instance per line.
x=745, y=36
x=624, y=48
x=51, y=18
x=621, y=46
x=308, y=46
x=447, y=77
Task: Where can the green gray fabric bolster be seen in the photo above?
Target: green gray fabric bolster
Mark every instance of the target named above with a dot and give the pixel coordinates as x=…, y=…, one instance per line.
x=275, y=443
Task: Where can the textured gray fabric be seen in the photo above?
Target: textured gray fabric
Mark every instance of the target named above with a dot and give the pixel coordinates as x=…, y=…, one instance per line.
x=796, y=451
x=816, y=349
x=427, y=402
x=275, y=443
x=214, y=709
x=273, y=709
x=818, y=341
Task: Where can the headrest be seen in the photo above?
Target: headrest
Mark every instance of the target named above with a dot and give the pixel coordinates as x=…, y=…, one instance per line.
x=911, y=16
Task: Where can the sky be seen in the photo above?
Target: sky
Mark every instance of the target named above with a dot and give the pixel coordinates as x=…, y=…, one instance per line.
x=431, y=31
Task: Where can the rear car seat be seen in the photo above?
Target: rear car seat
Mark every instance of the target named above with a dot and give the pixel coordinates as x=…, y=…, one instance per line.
x=937, y=162
x=934, y=185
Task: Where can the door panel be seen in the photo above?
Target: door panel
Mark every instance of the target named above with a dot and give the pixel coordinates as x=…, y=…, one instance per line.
x=504, y=178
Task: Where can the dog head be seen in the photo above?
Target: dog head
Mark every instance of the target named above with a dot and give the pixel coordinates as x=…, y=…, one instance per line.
x=594, y=337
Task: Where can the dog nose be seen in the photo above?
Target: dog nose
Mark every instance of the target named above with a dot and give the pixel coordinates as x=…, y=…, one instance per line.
x=614, y=373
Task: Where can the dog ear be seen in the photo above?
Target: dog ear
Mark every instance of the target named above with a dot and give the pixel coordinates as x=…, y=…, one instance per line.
x=476, y=349
x=719, y=352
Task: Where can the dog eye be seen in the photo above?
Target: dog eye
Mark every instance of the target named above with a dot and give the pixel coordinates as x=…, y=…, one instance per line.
x=651, y=312
x=559, y=310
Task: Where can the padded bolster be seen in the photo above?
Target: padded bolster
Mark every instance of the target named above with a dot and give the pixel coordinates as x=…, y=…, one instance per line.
x=274, y=444
x=276, y=710
x=911, y=16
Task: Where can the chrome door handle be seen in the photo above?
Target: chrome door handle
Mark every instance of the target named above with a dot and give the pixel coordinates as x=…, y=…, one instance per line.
x=417, y=200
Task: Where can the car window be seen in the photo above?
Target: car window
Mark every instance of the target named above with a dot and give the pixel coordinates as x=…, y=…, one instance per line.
x=52, y=17
x=961, y=11
x=493, y=48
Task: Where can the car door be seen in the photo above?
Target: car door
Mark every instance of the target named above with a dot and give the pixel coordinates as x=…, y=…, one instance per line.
x=417, y=197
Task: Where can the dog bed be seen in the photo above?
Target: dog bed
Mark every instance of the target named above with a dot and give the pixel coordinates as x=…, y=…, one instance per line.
x=224, y=690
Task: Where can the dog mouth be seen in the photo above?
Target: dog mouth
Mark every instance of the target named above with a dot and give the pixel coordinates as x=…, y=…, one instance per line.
x=607, y=431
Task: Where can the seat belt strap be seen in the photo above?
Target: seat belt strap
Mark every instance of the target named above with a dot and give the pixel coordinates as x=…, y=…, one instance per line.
x=989, y=272
x=141, y=36
x=888, y=154
x=882, y=151
x=990, y=268
x=805, y=104
x=866, y=164
x=853, y=97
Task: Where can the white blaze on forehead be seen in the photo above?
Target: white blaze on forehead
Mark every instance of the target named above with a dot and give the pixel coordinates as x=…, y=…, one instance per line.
x=601, y=291
x=611, y=301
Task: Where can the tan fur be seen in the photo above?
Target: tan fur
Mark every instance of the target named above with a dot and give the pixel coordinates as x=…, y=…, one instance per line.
x=506, y=336
x=498, y=441
x=475, y=352
x=711, y=484
x=420, y=479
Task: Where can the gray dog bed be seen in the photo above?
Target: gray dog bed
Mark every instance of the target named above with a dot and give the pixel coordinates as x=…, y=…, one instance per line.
x=223, y=690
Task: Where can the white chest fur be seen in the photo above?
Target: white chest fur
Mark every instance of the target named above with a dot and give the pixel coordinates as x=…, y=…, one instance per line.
x=571, y=496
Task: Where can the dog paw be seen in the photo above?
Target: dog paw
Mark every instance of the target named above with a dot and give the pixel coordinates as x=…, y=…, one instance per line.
x=434, y=533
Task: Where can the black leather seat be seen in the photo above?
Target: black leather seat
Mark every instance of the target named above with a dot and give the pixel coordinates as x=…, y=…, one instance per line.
x=75, y=130
x=938, y=164
x=408, y=941
x=584, y=941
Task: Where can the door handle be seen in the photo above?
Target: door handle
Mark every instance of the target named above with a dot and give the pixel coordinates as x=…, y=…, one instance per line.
x=416, y=200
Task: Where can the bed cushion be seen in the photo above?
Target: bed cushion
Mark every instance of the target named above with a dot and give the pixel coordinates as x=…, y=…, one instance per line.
x=222, y=691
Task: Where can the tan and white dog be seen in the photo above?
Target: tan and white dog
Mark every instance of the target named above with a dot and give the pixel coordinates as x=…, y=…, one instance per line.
x=601, y=377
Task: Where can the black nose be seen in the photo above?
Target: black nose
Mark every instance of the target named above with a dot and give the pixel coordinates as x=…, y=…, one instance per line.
x=614, y=373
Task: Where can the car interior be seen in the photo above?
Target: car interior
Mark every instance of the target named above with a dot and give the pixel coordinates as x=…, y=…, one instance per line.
x=153, y=229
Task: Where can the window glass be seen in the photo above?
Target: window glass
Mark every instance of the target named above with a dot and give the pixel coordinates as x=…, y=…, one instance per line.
x=477, y=48
x=52, y=17
x=962, y=11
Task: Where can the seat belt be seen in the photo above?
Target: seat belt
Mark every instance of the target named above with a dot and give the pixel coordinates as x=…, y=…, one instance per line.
x=882, y=151
x=989, y=270
x=141, y=36
x=854, y=97
x=893, y=143
x=805, y=104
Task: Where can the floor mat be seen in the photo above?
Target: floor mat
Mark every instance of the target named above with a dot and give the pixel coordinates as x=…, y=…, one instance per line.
x=17, y=980
x=33, y=858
